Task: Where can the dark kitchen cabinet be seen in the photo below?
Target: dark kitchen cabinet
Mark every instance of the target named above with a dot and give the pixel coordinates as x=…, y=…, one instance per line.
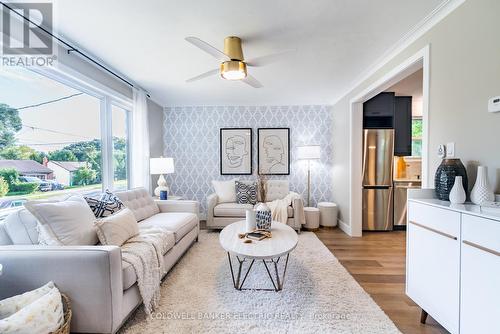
x=378, y=112
x=388, y=111
x=402, y=126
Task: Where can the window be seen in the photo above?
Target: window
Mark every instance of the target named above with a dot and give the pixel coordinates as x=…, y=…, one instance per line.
x=53, y=139
x=120, y=147
x=416, y=137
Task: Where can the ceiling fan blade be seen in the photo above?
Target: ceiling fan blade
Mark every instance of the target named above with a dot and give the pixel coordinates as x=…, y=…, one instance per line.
x=204, y=75
x=268, y=59
x=219, y=55
x=251, y=81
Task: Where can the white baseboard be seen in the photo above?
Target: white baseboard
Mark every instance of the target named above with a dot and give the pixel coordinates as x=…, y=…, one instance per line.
x=345, y=227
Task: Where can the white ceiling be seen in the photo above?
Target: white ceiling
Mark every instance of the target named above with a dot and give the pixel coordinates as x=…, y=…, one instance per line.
x=335, y=41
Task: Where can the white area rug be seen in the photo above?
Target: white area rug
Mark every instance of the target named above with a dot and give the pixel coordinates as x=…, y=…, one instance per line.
x=319, y=296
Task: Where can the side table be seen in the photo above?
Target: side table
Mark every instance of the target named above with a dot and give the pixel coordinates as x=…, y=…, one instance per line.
x=169, y=198
x=312, y=218
x=328, y=214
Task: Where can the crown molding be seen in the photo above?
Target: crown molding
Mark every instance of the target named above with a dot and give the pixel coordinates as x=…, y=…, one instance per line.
x=426, y=24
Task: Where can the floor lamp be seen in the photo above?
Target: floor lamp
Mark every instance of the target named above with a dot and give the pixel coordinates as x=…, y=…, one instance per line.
x=308, y=152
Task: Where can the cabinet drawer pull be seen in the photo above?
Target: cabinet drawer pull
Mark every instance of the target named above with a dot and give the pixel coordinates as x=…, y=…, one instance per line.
x=491, y=251
x=434, y=230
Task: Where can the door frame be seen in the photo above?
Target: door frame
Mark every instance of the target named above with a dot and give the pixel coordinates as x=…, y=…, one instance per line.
x=419, y=60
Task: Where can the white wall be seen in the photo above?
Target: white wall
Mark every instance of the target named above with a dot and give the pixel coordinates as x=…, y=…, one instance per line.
x=464, y=73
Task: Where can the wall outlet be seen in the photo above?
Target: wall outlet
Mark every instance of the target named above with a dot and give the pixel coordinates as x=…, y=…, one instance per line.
x=450, y=150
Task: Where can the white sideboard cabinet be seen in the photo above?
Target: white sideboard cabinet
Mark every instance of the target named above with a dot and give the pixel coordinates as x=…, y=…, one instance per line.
x=453, y=263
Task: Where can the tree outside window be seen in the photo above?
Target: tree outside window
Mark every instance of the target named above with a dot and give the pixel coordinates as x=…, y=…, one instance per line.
x=416, y=137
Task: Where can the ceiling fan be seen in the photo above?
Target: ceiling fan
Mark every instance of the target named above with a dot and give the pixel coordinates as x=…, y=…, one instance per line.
x=233, y=65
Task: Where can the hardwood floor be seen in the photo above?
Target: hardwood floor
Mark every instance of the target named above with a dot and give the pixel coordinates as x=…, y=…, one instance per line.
x=377, y=262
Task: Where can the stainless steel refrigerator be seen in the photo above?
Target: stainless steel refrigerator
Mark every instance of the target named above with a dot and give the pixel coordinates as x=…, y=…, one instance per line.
x=378, y=154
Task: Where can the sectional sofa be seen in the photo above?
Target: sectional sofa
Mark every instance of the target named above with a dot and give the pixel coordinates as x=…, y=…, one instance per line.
x=102, y=288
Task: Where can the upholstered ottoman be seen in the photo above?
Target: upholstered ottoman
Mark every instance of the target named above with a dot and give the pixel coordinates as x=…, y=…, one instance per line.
x=312, y=218
x=328, y=212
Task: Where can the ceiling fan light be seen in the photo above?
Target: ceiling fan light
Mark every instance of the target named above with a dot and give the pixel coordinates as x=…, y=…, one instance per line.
x=233, y=70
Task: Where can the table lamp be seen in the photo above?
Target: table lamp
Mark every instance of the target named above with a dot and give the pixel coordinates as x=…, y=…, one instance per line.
x=161, y=166
x=308, y=152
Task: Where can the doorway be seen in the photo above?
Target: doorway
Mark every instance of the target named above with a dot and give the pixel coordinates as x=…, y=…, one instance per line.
x=419, y=61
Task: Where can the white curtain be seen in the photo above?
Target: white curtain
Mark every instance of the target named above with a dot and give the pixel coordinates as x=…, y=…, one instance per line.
x=139, y=146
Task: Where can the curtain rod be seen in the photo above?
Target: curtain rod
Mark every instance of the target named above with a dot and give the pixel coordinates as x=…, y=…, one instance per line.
x=71, y=48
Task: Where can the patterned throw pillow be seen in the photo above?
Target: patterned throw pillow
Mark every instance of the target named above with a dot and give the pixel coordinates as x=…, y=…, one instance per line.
x=106, y=205
x=246, y=192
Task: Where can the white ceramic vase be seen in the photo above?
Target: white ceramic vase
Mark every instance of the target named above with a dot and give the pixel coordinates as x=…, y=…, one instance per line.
x=482, y=191
x=457, y=193
x=251, y=223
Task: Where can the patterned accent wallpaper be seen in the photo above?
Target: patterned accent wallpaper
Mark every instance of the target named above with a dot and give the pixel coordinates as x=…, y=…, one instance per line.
x=191, y=137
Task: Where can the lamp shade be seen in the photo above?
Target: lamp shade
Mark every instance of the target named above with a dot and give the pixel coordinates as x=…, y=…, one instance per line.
x=308, y=152
x=161, y=165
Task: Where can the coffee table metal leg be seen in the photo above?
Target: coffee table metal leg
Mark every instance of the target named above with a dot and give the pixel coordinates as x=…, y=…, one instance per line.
x=245, y=277
x=239, y=271
x=284, y=271
x=269, y=273
x=278, y=285
x=231, y=267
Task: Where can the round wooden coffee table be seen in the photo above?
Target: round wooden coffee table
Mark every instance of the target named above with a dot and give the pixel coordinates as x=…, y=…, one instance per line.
x=269, y=251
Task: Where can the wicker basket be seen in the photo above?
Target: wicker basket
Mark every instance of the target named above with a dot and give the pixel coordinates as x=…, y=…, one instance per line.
x=65, y=327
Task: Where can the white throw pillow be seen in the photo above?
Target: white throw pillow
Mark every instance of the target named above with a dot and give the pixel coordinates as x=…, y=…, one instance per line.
x=225, y=190
x=13, y=304
x=68, y=222
x=276, y=189
x=117, y=228
x=21, y=226
x=44, y=315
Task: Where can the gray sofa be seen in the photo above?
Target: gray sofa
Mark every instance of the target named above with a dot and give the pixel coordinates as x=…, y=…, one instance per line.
x=219, y=215
x=102, y=289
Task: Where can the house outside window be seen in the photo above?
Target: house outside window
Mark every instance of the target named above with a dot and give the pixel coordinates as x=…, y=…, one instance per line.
x=58, y=139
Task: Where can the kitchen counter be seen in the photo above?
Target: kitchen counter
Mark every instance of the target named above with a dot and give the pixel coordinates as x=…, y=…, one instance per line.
x=407, y=180
x=467, y=208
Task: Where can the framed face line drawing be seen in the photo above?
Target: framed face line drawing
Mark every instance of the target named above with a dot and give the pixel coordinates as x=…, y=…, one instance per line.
x=235, y=146
x=274, y=151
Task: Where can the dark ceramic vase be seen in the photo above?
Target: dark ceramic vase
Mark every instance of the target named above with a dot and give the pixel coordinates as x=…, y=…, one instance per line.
x=445, y=177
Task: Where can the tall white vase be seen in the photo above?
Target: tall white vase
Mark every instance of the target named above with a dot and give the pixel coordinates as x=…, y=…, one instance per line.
x=457, y=193
x=482, y=190
x=251, y=223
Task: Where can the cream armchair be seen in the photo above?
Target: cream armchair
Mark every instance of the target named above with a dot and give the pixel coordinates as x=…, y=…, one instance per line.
x=219, y=215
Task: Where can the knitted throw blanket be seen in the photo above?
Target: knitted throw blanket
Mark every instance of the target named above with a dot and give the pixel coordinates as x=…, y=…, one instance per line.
x=145, y=253
x=279, y=208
